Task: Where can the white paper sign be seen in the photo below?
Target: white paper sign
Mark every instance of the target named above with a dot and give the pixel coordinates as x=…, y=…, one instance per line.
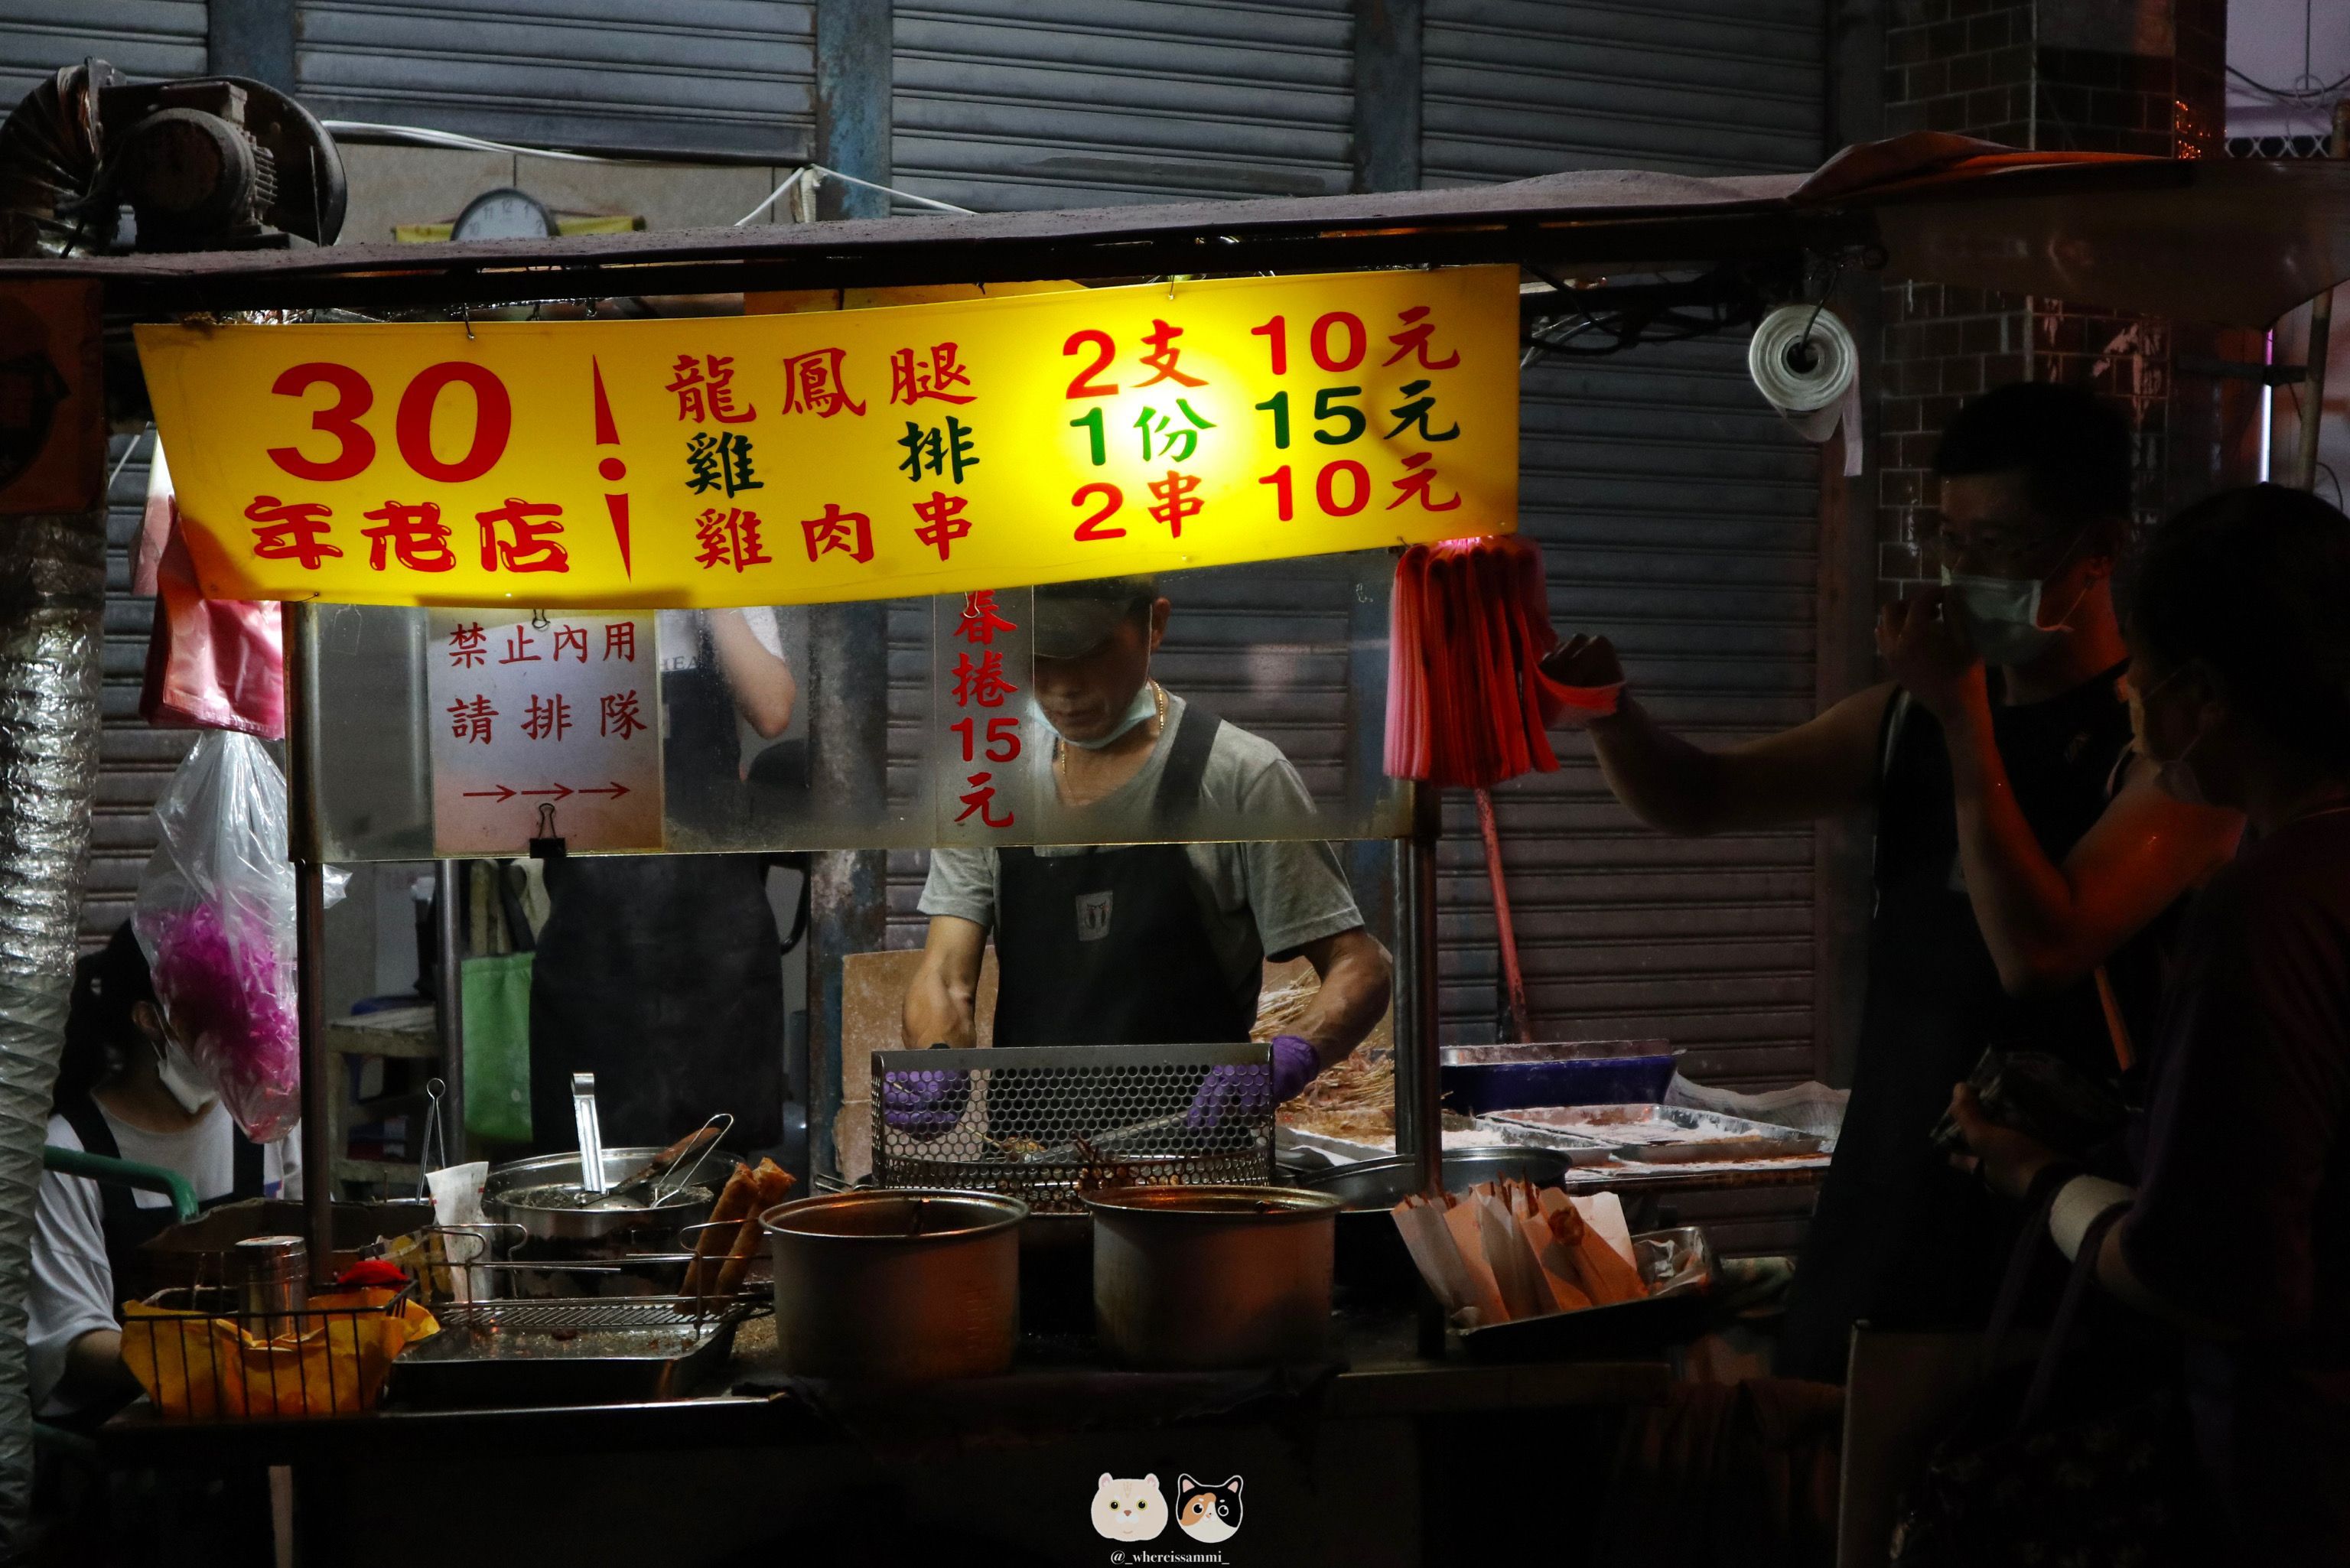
x=544, y=721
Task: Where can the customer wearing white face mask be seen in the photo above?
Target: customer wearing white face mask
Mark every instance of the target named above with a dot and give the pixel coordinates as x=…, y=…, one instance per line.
x=127, y=1089
x=2024, y=862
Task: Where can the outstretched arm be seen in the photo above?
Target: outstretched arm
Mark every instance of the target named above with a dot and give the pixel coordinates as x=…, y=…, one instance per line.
x=1816, y=769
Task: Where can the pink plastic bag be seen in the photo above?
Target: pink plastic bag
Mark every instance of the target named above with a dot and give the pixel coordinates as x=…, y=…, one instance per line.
x=215, y=664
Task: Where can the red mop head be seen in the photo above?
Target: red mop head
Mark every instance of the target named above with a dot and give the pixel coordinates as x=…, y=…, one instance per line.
x=1468, y=703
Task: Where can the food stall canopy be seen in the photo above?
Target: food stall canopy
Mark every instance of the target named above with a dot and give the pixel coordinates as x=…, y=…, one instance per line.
x=2226, y=242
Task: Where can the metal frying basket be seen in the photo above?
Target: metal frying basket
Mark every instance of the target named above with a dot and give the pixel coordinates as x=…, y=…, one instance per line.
x=1043, y=1123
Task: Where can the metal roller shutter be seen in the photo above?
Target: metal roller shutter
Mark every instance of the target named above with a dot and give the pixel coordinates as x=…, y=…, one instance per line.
x=1677, y=515
x=140, y=38
x=135, y=761
x=639, y=76
x=1514, y=88
x=1071, y=103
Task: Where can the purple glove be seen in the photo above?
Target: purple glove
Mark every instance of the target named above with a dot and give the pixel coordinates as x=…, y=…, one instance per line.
x=1240, y=1092
x=924, y=1105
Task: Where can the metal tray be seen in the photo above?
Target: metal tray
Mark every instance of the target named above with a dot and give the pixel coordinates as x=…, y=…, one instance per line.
x=1679, y=1267
x=1654, y=1135
x=581, y=1351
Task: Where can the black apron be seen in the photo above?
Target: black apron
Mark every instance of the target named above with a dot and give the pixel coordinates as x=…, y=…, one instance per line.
x=701, y=750
x=1899, y=1239
x=127, y=1226
x=663, y=975
x=1110, y=947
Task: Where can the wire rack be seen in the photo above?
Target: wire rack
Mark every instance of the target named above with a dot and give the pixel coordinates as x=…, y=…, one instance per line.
x=1045, y=1122
x=202, y=1356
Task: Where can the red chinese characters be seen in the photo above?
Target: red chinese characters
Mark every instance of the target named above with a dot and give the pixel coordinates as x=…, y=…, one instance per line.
x=942, y=522
x=529, y=542
x=1172, y=501
x=1413, y=341
x=619, y=716
x=813, y=384
x=1161, y=355
x=413, y=536
x=983, y=683
x=471, y=718
x=620, y=640
x=1418, y=483
x=980, y=619
x=468, y=646
x=730, y=538
x=705, y=390
x=571, y=640
x=913, y=378
x=547, y=718
x=850, y=534
x=291, y=531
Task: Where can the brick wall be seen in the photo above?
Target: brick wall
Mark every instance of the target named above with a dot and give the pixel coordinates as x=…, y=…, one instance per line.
x=2049, y=75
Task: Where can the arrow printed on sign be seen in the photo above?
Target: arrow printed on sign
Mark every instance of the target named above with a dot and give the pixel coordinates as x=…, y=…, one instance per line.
x=615, y=791
x=560, y=792
x=501, y=794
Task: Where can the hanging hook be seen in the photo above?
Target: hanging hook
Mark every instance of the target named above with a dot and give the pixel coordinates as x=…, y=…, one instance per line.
x=468, y=314
x=546, y=819
x=538, y=620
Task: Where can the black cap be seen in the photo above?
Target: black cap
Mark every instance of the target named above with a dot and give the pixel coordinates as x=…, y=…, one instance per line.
x=1074, y=618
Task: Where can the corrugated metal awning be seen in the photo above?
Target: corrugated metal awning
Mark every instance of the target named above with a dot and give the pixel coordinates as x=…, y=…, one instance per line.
x=2224, y=241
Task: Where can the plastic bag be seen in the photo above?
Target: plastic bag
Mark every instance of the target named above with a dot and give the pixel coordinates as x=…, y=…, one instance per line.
x=215, y=916
x=210, y=664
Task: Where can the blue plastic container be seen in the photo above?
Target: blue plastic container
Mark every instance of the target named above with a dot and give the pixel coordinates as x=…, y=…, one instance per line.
x=1476, y=1079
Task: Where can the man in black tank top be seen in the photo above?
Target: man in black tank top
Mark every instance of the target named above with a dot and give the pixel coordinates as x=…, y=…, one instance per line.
x=2022, y=850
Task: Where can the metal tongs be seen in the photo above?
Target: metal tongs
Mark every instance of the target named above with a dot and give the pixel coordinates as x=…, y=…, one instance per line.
x=591, y=1139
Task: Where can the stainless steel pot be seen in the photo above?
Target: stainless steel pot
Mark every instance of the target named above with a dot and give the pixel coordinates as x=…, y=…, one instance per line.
x=1213, y=1276
x=537, y=1194
x=901, y=1285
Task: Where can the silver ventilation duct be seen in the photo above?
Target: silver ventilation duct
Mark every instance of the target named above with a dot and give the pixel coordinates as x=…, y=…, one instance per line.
x=52, y=597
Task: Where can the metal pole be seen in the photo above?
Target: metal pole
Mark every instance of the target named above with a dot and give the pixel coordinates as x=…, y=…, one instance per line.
x=1419, y=1126
x=449, y=1007
x=310, y=942
x=2321, y=331
x=1419, y=1135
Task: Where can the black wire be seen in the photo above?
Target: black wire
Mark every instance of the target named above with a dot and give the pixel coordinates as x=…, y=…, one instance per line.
x=2334, y=86
x=2327, y=470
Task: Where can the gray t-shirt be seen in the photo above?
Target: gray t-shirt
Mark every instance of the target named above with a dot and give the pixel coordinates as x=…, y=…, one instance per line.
x=1256, y=898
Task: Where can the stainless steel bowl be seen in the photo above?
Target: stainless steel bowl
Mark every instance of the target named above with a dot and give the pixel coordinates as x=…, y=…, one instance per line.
x=901, y=1285
x=538, y=1194
x=1213, y=1276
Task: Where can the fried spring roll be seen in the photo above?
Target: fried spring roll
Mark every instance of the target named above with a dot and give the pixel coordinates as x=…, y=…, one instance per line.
x=770, y=1182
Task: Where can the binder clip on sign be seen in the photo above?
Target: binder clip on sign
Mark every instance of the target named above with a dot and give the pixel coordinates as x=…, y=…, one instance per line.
x=1804, y=360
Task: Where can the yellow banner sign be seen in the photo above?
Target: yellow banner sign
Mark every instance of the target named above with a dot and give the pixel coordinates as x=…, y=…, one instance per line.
x=770, y=459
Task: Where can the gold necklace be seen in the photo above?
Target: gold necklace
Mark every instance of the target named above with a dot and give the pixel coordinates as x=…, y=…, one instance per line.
x=1061, y=747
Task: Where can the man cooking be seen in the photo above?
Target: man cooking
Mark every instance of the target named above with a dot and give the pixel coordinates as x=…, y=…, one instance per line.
x=2022, y=851
x=1126, y=943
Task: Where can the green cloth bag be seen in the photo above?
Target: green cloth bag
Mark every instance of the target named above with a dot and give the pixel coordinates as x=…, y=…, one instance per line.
x=497, y=993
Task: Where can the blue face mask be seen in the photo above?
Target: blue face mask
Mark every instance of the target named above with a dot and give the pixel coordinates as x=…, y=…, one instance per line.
x=1145, y=703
